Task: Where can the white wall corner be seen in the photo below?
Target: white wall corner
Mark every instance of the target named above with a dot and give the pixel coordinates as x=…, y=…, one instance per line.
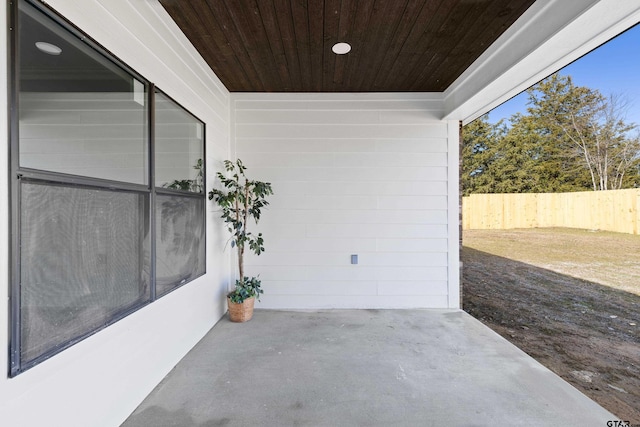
x=453, y=201
x=363, y=174
x=548, y=36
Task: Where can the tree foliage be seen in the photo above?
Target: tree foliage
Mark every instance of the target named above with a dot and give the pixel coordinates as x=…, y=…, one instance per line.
x=240, y=200
x=571, y=138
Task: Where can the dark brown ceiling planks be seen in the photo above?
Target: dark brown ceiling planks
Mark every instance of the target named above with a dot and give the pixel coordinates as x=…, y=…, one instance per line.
x=396, y=45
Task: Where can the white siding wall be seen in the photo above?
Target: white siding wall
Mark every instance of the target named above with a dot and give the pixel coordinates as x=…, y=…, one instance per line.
x=365, y=174
x=99, y=381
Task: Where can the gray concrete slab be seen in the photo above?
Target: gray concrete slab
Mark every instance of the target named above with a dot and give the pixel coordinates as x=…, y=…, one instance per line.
x=362, y=368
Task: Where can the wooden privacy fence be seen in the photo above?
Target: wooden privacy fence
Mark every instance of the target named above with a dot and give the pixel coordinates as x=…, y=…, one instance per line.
x=613, y=210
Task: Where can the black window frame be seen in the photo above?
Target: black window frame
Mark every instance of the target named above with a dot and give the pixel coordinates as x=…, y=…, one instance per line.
x=164, y=191
x=17, y=173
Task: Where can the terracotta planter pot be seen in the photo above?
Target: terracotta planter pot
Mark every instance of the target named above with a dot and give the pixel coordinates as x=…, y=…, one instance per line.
x=241, y=312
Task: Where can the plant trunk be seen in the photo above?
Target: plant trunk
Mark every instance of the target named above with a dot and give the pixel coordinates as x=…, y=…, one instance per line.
x=241, y=263
x=245, y=213
x=240, y=246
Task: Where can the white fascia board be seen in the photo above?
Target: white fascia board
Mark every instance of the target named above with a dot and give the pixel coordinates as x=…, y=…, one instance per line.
x=548, y=36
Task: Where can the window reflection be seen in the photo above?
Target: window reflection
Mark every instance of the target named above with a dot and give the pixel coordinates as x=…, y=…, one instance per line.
x=79, y=112
x=179, y=142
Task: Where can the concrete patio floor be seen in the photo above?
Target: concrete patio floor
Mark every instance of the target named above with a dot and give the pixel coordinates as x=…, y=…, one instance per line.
x=362, y=368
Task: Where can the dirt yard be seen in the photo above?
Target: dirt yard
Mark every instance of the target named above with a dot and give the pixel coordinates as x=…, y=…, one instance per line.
x=569, y=298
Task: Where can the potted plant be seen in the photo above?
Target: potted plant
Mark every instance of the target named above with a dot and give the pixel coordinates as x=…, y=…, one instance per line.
x=240, y=200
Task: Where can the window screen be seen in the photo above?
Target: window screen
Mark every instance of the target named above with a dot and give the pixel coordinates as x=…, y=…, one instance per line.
x=94, y=236
x=180, y=244
x=84, y=260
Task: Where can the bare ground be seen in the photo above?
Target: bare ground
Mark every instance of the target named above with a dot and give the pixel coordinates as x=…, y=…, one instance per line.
x=569, y=298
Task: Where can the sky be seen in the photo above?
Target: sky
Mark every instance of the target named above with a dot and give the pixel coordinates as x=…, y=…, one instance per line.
x=613, y=68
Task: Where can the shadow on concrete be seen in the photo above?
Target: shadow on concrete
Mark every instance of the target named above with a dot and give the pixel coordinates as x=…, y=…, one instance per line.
x=158, y=416
x=585, y=332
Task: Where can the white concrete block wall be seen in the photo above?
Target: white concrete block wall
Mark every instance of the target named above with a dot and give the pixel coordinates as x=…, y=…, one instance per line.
x=100, y=381
x=365, y=174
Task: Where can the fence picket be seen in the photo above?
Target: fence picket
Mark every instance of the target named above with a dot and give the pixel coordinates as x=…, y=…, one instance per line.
x=612, y=210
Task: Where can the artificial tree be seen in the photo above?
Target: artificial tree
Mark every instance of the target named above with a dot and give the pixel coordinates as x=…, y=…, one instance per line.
x=240, y=200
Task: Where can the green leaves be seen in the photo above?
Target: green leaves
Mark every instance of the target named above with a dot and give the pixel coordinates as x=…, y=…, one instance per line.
x=194, y=185
x=256, y=244
x=570, y=139
x=247, y=288
x=240, y=200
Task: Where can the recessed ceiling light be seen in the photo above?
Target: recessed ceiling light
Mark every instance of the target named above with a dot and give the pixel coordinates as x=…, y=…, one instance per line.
x=49, y=48
x=341, y=48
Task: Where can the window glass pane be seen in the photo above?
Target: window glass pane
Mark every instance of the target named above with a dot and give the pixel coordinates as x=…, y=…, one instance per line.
x=83, y=252
x=180, y=242
x=84, y=260
x=79, y=113
x=179, y=146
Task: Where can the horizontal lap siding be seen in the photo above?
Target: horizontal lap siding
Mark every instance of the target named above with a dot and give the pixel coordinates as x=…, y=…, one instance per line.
x=102, y=379
x=352, y=174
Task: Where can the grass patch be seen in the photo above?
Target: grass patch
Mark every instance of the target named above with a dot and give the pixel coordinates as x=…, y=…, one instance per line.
x=607, y=258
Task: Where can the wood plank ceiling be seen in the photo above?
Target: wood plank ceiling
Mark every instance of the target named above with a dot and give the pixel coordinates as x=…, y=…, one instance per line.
x=397, y=45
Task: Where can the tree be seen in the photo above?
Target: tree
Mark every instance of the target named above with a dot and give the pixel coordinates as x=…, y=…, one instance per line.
x=241, y=200
x=590, y=128
x=570, y=139
x=528, y=163
x=616, y=154
x=478, y=142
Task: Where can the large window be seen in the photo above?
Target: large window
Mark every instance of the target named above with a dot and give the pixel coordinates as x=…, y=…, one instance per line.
x=179, y=154
x=108, y=207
